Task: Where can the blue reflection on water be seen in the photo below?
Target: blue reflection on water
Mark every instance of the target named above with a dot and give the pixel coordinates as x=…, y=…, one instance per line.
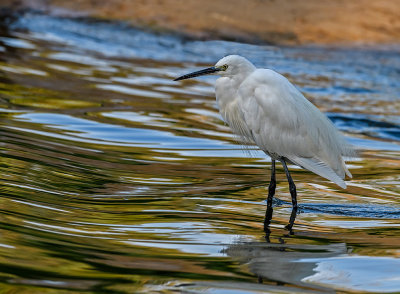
x=89, y=129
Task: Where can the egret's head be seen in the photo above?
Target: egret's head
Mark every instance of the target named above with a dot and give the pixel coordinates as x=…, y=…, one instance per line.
x=228, y=66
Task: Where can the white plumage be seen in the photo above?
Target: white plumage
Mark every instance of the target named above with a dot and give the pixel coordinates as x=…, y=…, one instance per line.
x=263, y=107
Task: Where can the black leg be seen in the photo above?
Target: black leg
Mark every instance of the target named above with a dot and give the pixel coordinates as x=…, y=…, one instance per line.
x=272, y=183
x=292, y=189
x=271, y=193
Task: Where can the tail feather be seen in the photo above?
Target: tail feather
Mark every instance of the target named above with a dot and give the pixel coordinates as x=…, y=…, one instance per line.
x=346, y=170
x=320, y=168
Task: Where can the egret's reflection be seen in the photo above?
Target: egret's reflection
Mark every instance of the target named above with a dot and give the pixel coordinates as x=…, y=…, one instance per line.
x=281, y=262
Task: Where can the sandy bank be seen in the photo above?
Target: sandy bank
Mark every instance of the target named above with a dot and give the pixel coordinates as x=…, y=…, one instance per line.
x=271, y=21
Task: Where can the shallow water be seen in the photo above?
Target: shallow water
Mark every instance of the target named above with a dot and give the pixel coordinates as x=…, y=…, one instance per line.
x=115, y=179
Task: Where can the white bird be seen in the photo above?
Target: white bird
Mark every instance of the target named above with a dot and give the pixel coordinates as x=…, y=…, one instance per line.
x=262, y=107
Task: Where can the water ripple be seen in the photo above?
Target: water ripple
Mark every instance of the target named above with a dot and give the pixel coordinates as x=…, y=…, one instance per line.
x=115, y=179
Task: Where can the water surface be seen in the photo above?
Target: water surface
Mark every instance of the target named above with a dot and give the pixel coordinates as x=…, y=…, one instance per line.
x=115, y=179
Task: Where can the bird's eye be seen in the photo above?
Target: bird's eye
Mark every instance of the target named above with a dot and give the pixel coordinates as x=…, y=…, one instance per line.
x=224, y=67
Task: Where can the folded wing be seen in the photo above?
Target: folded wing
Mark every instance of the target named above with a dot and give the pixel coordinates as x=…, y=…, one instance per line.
x=282, y=122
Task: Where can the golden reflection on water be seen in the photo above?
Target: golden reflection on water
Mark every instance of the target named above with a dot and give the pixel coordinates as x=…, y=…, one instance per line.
x=115, y=179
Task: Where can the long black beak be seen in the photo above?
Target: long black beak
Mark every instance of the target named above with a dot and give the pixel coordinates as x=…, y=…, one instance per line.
x=205, y=71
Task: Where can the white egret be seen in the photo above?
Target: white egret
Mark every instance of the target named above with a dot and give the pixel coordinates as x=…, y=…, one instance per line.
x=263, y=107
